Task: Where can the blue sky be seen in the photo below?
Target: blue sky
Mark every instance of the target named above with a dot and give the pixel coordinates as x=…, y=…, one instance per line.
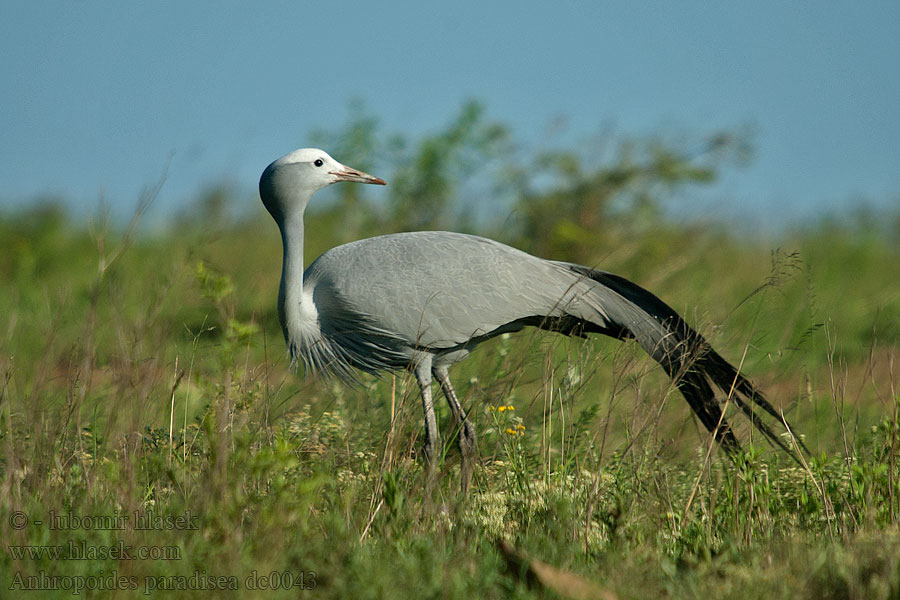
x=101, y=95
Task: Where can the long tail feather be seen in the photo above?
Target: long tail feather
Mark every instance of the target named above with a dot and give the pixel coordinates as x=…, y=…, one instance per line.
x=689, y=360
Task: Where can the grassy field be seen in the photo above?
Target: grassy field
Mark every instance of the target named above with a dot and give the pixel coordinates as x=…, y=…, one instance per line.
x=153, y=438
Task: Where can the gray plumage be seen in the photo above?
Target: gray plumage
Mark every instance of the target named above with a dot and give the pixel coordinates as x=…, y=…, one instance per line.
x=423, y=300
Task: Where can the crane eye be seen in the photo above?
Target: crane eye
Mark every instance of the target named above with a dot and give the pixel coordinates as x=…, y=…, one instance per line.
x=319, y=162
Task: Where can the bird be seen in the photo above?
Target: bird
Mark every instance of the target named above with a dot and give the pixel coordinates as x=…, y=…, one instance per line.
x=422, y=301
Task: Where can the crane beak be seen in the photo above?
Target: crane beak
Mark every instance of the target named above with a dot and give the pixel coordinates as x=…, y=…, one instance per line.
x=345, y=173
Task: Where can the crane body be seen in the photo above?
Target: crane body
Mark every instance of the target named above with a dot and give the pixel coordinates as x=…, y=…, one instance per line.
x=423, y=300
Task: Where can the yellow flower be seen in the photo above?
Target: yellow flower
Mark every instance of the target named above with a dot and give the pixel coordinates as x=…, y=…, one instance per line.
x=520, y=427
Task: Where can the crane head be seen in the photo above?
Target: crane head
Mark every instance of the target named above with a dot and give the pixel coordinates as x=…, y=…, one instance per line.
x=288, y=183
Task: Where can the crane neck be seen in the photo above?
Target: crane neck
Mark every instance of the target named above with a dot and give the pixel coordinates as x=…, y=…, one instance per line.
x=290, y=291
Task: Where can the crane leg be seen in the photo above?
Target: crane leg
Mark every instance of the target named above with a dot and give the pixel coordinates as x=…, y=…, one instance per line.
x=423, y=376
x=465, y=427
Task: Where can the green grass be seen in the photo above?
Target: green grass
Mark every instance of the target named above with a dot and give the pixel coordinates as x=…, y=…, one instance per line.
x=154, y=381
